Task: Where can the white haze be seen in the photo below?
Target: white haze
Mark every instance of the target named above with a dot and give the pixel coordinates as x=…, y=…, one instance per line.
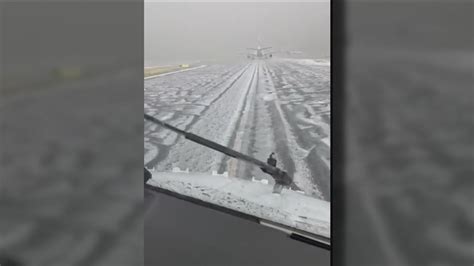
x=187, y=32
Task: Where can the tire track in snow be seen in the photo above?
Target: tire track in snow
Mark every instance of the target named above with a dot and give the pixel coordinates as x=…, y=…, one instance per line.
x=213, y=123
x=219, y=96
x=237, y=139
x=299, y=90
x=294, y=157
x=164, y=149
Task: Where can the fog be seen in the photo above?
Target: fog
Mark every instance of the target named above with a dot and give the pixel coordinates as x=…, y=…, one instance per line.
x=186, y=32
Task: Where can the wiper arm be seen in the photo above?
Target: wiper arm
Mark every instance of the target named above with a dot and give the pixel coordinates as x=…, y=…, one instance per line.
x=280, y=176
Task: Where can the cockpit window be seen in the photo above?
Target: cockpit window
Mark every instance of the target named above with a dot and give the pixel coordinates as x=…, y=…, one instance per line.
x=250, y=132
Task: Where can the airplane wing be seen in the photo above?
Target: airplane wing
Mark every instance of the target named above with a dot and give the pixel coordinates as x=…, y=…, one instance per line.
x=265, y=48
x=252, y=49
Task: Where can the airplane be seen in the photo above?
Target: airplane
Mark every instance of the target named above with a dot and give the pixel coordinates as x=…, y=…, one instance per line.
x=260, y=53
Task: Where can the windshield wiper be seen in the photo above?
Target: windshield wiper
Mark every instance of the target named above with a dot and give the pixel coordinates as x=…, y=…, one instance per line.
x=281, y=177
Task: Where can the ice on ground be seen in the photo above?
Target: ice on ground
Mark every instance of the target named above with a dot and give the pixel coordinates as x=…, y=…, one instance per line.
x=291, y=208
x=209, y=102
x=268, y=97
x=326, y=140
x=178, y=170
x=320, y=62
x=263, y=181
x=151, y=152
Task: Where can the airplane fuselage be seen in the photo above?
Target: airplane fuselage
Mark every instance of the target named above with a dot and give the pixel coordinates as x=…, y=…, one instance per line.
x=259, y=53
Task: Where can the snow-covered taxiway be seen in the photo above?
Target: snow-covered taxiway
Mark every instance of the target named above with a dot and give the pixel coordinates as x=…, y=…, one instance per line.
x=258, y=107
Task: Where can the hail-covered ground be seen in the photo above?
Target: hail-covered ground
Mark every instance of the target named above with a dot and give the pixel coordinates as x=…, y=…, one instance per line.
x=256, y=107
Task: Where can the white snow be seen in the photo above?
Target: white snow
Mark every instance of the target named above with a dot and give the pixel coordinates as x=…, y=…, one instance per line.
x=326, y=140
x=209, y=102
x=299, y=154
x=268, y=97
x=178, y=170
x=232, y=122
x=320, y=62
x=150, y=152
x=290, y=208
x=263, y=181
x=174, y=72
x=218, y=123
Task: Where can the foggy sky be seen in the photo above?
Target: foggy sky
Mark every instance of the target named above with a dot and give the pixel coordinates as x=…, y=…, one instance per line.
x=183, y=32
